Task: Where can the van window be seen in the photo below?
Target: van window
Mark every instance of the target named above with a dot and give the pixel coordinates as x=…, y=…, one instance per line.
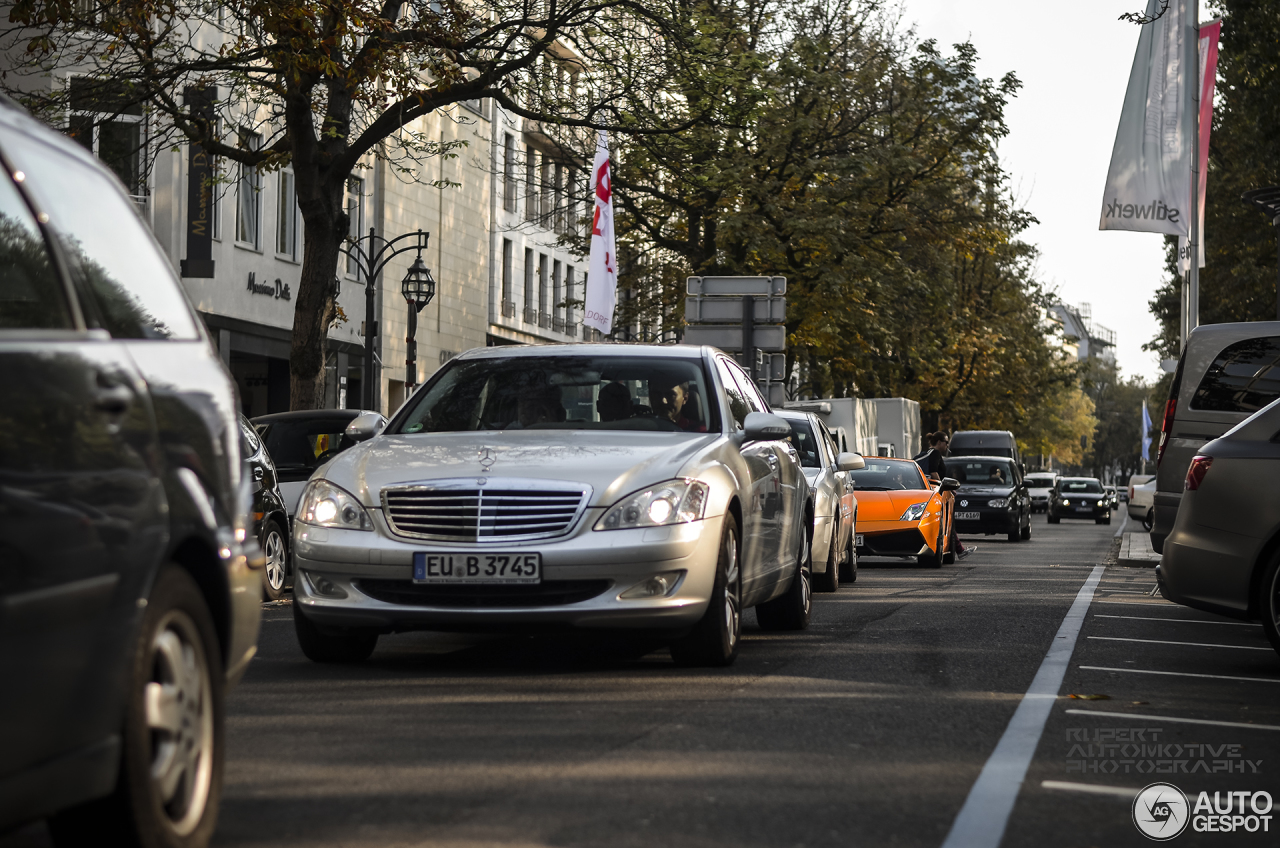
x=1244, y=377
x=31, y=295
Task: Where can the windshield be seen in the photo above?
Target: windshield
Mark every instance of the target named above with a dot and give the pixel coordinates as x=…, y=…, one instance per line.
x=305, y=444
x=1074, y=487
x=886, y=476
x=564, y=393
x=805, y=444
x=981, y=472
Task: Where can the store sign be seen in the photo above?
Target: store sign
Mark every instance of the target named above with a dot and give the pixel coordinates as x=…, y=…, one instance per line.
x=278, y=290
x=200, y=176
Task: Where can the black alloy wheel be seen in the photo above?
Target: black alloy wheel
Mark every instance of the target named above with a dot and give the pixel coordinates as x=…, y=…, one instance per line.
x=714, y=640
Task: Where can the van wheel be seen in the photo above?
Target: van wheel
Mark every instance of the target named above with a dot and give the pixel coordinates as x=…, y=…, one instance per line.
x=1268, y=601
x=172, y=742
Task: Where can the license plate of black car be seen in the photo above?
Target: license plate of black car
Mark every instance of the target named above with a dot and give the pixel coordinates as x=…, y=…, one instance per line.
x=1084, y=509
x=968, y=516
x=463, y=568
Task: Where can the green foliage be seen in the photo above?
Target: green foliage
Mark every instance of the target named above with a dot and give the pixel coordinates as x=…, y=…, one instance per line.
x=1238, y=282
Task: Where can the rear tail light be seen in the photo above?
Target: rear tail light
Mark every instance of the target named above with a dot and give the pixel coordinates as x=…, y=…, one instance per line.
x=1170, y=407
x=1195, y=474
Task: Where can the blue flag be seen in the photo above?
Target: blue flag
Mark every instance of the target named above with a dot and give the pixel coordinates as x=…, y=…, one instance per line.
x=1146, y=433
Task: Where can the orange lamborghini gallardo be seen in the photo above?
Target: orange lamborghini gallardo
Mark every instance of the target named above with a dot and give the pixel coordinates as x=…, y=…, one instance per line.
x=900, y=514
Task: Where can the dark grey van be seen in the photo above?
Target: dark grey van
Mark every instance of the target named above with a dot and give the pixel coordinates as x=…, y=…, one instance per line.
x=1227, y=372
x=985, y=443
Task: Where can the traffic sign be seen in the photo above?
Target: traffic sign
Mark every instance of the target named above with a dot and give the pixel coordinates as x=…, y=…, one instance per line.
x=729, y=310
x=759, y=286
x=729, y=337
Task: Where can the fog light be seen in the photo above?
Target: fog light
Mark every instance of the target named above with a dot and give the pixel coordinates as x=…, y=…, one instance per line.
x=655, y=586
x=324, y=586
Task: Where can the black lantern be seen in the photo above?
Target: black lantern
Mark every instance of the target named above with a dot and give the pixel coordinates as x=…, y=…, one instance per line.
x=418, y=287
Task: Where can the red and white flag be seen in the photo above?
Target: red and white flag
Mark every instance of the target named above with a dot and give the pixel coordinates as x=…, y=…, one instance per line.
x=602, y=269
x=1208, y=74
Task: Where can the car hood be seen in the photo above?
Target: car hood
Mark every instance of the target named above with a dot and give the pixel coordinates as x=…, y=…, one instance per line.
x=984, y=490
x=884, y=506
x=612, y=463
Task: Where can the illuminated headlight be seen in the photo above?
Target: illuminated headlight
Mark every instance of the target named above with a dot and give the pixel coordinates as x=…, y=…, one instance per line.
x=914, y=512
x=1101, y=502
x=672, y=502
x=325, y=505
x=998, y=502
x=1066, y=502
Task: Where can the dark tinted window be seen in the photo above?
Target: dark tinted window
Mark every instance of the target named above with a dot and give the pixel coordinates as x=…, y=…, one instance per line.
x=305, y=444
x=806, y=443
x=737, y=404
x=1243, y=378
x=1076, y=487
x=31, y=295
x=989, y=472
x=134, y=288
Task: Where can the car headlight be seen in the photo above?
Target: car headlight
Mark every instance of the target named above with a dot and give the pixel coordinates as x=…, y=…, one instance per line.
x=325, y=505
x=1101, y=502
x=1066, y=502
x=998, y=502
x=672, y=502
x=914, y=512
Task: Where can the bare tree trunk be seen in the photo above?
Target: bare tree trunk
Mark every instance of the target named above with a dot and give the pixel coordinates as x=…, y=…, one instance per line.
x=313, y=312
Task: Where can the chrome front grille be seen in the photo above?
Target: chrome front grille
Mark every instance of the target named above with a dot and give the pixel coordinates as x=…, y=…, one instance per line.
x=501, y=509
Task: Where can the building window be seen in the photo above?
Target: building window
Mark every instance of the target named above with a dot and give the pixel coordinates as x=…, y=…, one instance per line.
x=508, y=303
x=509, y=190
x=544, y=314
x=108, y=126
x=287, y=217
x=547, y=207
x=530, y=184
x=570, y=325
x=355, y=217
x=249, y=197
x=557, y=299
x=530, y=311
x=559, y=199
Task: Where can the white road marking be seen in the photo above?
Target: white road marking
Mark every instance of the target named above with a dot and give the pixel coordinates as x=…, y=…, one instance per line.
x=1091, y=788
x=1178, y=620
x=1188, y=644
x=1181, y=674
x=1104, y=602
x=1176, y=720
x=1123, y=524
x=982, y=820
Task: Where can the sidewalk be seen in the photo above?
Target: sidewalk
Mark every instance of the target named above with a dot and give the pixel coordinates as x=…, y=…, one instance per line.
x=1136, y=552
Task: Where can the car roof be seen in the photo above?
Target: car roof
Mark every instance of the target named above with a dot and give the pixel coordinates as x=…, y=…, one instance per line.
x=981, y=433
x=308, y=415
x=589, y=349
x=892, y=459
x=1082, y=479
x=967, y=458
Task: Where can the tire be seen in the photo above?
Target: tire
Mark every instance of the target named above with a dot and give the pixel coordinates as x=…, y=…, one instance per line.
x=790, y=610
x=274, y=576
x=829, y=581
x=332, y=644
x=171, y=760
x=1149, y=520
x=1268, y=601
x=714, y=640
x=849, y=568
x=933, y=560
x=1026, y=532
x=1053, y=519
x=1015, y=534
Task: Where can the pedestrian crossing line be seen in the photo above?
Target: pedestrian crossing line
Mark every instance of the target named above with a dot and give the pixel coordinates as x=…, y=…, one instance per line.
x=1091, y=789
x=1187, y=644
x=1175, y=719
x=1178, y=620
x=1180, y=674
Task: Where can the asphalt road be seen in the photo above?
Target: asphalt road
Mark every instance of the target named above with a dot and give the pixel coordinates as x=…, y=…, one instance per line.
x=870, y=728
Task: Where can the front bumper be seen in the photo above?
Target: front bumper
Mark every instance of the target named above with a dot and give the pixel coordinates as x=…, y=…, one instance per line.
x=583, y=575
x=891, y=538
x=1089, y=514
x=989, y=521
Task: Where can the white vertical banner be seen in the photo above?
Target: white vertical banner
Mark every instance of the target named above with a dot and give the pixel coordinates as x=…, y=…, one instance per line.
x=1149, y=182
x=1208, y=76
x=602, y=269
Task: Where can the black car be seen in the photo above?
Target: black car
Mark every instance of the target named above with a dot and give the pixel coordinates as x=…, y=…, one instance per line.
x=270, y=517
x=129, y=599
x=300, y=442
x=1079, y=497
x=992, y=497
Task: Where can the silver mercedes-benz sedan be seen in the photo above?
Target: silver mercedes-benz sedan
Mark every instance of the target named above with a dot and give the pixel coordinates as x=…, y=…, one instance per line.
x=629, y=487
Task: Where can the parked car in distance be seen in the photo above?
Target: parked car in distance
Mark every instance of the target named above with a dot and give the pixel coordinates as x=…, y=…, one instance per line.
x=834, y=506
x=992, y=497
x=300, y=442
x=900, y=514
x=1142, y=504
x=129, y=582
x=1136, y=480
x=270, y=518
x=592, y=486
x=985, y=443
x=1039, y=487
x=1226, y=373
x=1223, y=555
x=1112, y=497
x=1079, y=497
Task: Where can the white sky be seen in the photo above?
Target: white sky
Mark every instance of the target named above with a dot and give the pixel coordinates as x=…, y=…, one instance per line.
x=1073, y=59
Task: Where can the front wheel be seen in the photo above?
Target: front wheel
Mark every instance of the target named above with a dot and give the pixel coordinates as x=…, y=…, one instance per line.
x=849, y=568
x=172, y=742
x=790, y=611
x=1149, y=520
x=935, y=559
x=829, y=581
x=714, y=639
x=332, y=645
x=277, y=556
x=1268, y=601
x=1026, y=532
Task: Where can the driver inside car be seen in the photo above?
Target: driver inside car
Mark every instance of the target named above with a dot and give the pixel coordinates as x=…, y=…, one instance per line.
x=668, y=396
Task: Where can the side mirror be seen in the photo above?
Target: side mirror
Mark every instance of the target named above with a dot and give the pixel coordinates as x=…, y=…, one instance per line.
x=849, y=462
x=950, y=484
x=365, y=426
x=764, y=427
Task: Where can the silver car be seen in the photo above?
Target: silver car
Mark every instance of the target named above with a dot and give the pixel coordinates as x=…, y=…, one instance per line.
x=835, y=508
x=629, y=487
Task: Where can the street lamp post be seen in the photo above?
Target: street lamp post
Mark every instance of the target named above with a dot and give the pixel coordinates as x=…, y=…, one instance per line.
x=371, y=253
x=418, y=288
